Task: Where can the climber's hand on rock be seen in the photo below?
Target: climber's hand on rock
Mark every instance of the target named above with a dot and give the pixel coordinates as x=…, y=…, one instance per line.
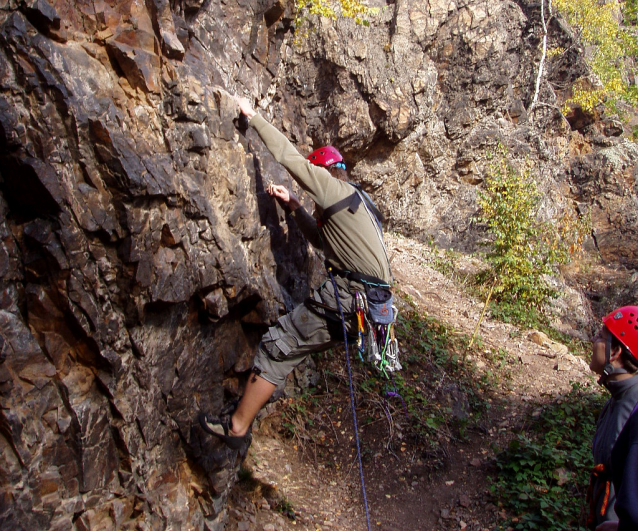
x=284, y=195
x=245, y=107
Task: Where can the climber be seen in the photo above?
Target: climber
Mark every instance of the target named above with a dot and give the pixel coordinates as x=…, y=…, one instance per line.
x=615, y=359
x=354, y=250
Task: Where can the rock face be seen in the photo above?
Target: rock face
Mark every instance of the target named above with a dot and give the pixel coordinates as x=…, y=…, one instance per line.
x=141, y=259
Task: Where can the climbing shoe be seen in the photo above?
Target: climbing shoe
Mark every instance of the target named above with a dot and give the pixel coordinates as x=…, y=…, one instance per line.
x=220, y=427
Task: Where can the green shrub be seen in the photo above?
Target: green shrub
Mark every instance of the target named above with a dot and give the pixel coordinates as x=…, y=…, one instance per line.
x=354, y=9
x=524, y=249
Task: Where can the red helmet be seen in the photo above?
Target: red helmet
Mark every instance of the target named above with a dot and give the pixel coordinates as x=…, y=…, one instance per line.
x=325, y=156
x=623, y=323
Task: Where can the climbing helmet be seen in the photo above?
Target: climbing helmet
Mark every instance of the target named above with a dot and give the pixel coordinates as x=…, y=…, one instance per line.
x=326, y=156
x=623, y=323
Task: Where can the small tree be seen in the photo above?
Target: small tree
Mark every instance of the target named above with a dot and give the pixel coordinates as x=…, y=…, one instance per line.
x=524, y=250
x=600, y=25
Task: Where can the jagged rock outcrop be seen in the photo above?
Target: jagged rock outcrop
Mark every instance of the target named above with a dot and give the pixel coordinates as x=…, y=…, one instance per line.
x=141, y=263
x=141, y=259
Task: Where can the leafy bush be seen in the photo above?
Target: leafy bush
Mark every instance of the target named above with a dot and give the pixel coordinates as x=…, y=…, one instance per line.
x=543, y=476
x=630, y=12
x=599, y=26
x=524, y=250
x=428, y=344
x=352, y=9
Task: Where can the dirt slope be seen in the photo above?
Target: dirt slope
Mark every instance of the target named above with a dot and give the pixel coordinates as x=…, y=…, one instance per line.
x=321, y=484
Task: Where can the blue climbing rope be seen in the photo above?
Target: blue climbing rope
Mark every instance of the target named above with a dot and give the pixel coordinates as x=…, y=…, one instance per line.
x=354, y=414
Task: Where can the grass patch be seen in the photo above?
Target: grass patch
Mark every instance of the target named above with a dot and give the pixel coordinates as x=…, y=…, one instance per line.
x=286, y=509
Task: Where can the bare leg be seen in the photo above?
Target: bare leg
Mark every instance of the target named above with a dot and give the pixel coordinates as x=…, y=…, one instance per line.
x=257, y=393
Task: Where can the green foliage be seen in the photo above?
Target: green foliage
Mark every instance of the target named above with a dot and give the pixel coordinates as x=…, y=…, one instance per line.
x=630, y=13
x=516, y=313
x=285, y=507
x=600, y=26
x=543, y=475
x=445, y=262
x=524, y=249
x=353, y=9
x=332, y=9
x=295, y=415
x=429, y=343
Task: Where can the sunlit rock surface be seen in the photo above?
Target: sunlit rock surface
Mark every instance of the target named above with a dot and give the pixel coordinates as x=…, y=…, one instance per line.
x=140, y=257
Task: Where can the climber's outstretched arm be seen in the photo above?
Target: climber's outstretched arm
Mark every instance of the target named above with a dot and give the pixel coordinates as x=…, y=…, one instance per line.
x=322, y=188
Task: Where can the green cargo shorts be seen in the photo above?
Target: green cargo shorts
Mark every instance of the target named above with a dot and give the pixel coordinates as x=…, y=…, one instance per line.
x=304, y=331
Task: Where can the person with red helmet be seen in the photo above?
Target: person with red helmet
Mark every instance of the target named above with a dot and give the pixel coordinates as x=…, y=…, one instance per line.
x=349, y=235
x=615, y=359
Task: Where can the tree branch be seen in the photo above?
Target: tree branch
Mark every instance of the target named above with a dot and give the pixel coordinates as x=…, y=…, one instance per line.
x=544, y=54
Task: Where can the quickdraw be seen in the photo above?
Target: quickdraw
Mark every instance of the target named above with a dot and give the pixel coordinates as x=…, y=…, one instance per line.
x=360, y=311
x=381, y=344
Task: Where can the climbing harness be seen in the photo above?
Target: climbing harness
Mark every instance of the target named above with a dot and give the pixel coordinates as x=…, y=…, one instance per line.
x=598, y=472
x=376, y=317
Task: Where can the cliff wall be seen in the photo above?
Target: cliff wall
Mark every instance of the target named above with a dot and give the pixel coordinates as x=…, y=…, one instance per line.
x=140, y=257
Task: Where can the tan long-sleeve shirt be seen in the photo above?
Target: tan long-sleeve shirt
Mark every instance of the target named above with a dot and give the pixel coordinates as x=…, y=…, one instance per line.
x=352, y=241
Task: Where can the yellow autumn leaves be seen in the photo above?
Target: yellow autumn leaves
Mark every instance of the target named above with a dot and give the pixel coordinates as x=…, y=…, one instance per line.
x=352, y=9
x=600, y=27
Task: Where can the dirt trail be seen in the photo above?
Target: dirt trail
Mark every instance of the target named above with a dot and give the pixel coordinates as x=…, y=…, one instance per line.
x=402, y=493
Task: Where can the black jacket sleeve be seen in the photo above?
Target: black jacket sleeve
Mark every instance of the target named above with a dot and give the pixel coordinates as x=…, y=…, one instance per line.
x=308, y=226
x=625, y=475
